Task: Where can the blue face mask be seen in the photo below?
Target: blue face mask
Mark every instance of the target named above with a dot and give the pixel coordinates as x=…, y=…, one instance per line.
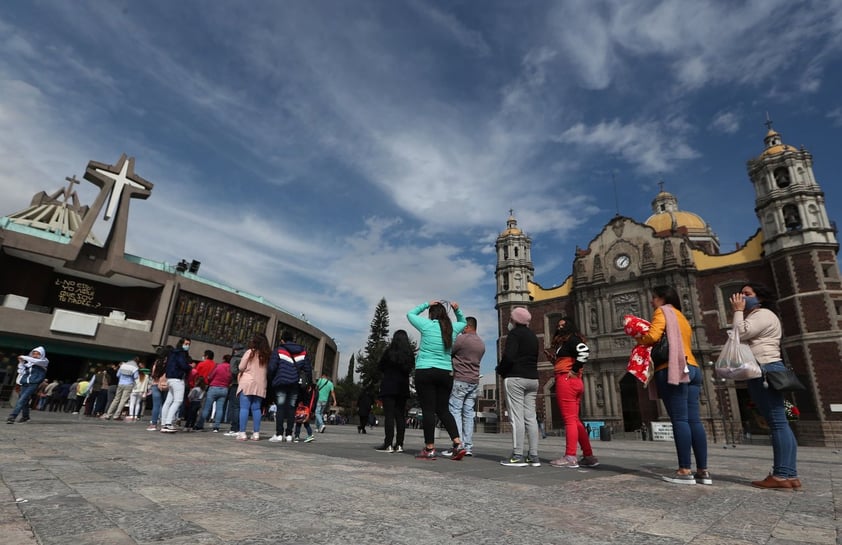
x=185, y=347
x=751, y=303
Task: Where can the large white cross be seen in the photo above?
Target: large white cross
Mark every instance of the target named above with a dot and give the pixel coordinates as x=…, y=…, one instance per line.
x=120, y=181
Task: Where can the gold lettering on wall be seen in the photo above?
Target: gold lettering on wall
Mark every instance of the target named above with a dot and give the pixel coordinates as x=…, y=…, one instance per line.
x=74, y=292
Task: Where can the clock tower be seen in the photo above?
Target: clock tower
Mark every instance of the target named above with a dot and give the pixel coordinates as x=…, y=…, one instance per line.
x=514, y=264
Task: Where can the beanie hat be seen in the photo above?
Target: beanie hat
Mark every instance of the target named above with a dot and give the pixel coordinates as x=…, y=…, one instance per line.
x=521, y=316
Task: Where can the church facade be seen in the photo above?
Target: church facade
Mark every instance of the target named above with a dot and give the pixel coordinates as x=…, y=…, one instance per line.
x=794, y=252
x=90, y=303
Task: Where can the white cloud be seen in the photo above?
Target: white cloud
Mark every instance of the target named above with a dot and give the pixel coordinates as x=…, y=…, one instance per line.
x=727, y=122
x=835, y=115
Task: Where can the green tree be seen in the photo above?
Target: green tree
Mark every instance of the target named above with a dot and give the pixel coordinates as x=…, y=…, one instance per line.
x=368, y=361
x=346, y=391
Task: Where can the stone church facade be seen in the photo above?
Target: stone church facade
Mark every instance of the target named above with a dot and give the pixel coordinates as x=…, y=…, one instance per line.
x=794, y=252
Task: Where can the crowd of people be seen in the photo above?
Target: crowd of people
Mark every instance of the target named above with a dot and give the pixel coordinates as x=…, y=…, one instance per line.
x=446, y=371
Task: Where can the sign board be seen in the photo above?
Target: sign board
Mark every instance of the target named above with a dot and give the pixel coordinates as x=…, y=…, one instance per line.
x=836, y=407
x=662, y=431
x=592, y=427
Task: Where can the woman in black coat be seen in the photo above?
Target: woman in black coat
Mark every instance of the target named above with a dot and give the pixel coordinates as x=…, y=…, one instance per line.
x=396, y=365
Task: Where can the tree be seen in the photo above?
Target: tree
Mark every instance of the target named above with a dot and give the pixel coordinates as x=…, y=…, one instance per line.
x=368, y=361
x=350, y=376
x=346, y=391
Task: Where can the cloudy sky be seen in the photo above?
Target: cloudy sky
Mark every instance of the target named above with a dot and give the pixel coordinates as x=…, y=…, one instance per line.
x=326, y=154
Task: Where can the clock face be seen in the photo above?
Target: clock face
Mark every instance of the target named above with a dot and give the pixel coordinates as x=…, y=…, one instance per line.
x=622, y=261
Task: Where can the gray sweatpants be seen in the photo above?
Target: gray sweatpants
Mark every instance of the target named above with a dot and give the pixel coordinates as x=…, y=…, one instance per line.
x=520, y=396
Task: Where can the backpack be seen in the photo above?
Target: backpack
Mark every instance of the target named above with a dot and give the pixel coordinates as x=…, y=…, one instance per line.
x=302, y=410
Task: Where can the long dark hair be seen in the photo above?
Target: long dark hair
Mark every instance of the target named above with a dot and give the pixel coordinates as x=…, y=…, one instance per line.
x=400, y=349
x=765, y=296
x=438, y=312
x=260, y=344
x=669, y=295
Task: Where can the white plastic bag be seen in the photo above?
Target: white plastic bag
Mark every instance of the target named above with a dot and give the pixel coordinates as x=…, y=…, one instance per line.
x=736, y=362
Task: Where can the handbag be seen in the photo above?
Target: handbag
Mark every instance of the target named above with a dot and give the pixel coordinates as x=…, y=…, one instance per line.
x=736, y=360
x=783, y=381
x=661, y=350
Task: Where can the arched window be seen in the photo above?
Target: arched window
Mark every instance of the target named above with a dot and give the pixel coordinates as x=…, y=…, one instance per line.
x=782, y=177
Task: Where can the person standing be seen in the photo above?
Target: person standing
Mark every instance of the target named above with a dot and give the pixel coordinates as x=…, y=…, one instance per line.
x=286, y=366
x=137, y=400
x=396, y=364
x=756, y=320
x=679, y=383
x=158, y=376
x=307, y=396
x=364, y=402
x=32, y=370
x=252, y=385
x=434, y=372
x=519, y=369
x=466, y=355
x=127, y=374
x=218, y=381
x=232, y=406
x=325, y=389
x=203, y=368
x=177, y=370
x=570, y=356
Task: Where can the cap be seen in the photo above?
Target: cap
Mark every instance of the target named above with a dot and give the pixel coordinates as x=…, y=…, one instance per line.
x=521, y=316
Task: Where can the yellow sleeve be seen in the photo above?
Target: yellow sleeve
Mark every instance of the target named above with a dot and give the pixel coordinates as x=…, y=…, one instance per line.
x=656, y=329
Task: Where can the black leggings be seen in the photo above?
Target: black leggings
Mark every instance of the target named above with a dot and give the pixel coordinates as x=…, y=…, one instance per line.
x=394, y=412
x=434, y=387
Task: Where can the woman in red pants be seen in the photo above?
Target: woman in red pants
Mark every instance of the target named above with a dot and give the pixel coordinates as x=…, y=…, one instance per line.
x=570, y=356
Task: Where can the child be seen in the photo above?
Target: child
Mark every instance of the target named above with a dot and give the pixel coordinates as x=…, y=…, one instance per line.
x=194, y=398
x=305, y=394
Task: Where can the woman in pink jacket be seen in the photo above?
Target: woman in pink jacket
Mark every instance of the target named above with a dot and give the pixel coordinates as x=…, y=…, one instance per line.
x=252, y=384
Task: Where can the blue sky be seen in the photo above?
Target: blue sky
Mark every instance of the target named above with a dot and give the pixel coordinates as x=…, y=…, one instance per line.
x=327, y=154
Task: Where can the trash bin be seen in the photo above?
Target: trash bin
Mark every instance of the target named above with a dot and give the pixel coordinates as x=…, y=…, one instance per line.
x=604, y=433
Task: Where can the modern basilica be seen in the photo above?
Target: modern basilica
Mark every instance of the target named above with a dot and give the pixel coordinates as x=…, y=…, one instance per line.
x=88, y=302
x=793, y=252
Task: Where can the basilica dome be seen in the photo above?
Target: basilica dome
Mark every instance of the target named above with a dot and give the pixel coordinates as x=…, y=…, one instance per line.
x=668, y=218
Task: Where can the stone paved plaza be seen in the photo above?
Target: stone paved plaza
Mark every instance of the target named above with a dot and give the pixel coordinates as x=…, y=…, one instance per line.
x=68, y=479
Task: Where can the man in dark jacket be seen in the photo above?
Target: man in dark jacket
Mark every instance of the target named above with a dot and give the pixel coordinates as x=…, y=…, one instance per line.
x=288, y=366
x=519, y=369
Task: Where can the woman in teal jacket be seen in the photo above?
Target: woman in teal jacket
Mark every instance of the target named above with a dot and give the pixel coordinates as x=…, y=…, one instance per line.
x=434, y=372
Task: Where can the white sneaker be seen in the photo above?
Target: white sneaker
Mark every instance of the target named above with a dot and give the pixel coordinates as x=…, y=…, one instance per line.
x=288, y=439
x=241, y=436
x=276, y=439
x=255, y=436
x=230, y=433
x=322, y=429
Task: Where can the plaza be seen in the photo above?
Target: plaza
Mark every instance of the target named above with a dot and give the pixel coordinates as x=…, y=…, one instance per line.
x=71, y=479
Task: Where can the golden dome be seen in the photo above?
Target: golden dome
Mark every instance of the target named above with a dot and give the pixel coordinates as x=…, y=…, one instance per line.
x=774, y=150
x=511, y=231
x=667, y=221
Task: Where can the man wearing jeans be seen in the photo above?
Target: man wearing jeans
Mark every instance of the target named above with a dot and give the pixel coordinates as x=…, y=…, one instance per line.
x=325, y=389
x=466, y=355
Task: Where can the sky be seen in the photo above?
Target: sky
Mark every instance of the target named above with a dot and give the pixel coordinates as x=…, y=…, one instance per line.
x=329, y=154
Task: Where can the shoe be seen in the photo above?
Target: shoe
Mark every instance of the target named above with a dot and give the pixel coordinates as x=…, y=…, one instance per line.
x=215, y=430
x=679, y=478
x=168, y=428
x=322, y=428
x=255, y=436
x=24, y=419
x=230, y=433
x=795, y=482
x=399, y=449
x=388, y=448
x=514, y=461
x=703, y=477
x=773, y=482
x=241, y=436
x=588, y=461
x=75, y=412
x=468, y=453
x=457, y=453
x=565, y=461
x=10, y=420
x=309, y=439
x=288, y=438
x=533, y=461
x=105, y=417
x=118, y=418
x=276, y=439
x=151, y=427
x=296, y=439
x=447, y=453
x=426, y=454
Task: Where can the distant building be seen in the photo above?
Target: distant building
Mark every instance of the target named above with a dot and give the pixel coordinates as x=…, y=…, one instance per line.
x=89, y=302
x=794, y=252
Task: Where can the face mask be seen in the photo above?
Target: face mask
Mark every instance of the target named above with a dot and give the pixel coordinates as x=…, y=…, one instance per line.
x=751, y=303
x=511, y=326
x=185, y=347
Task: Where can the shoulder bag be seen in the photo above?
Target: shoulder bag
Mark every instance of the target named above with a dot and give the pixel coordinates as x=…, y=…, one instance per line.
x=783, y=381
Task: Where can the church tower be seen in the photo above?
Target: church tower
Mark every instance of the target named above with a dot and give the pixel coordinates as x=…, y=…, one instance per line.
x=800, y=246
x=514, y=264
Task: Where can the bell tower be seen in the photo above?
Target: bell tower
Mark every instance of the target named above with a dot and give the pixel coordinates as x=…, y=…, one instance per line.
x=800, y=248
x=514, y=264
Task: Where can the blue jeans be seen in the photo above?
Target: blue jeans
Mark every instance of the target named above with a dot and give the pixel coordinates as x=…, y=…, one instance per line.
x=682, y=403
x=463, y=400
x=770, y=403
x=250, y=404
x=22, y=406
x=320, y=412
x=157, y=401
x=216, y=396
x=286, y=395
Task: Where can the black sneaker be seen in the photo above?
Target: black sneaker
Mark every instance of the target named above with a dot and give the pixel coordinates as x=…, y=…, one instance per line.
x=10, y=420
x=24, y=419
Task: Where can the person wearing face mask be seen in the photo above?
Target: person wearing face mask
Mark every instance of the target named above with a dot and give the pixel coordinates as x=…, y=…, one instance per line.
x=178, y=367
x=32, y=369
x=756, y=320
x=570, y=355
